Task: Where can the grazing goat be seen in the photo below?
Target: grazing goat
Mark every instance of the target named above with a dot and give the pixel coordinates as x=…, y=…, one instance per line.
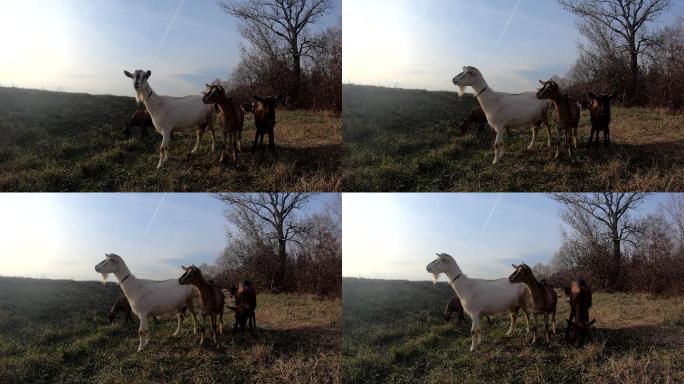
x=148, y=297
x=231, y=117
x=481, y=297
x=122, y=305
x=476, y=116
x=544, y=298
x=454, y=305
x=567, y=114
x=599, y=113
x=264, y=119
x=172, y=113
x=210, y=296
x=140, y=119
x=580, y=302
x=505, y=110
x=245, y=306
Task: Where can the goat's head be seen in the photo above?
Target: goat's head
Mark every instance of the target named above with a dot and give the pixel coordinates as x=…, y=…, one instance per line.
x=548, y=90
x=111, y=264
x=191, y=275
x=139, y=82
x=600, y=104
x=463, y=126
x=444, y=263
x=522, y=273
x=468, y=77
x=267, y=103
x=214, y=94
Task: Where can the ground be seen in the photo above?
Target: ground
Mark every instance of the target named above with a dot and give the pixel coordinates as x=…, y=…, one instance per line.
x=55, y=141
x=407, y=140
x=56, y=331
x=393, y=331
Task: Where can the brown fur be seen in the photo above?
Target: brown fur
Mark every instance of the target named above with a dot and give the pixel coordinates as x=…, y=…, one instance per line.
x=580, y=302
x=231, y=118
x=476, y=116
x=210, y=297
x=140, y=119
x=264, y=120
x=454, y=305
x=567, y=114
x=122, y=305
x=245, y=306
x=599, y=113
x=544, y=298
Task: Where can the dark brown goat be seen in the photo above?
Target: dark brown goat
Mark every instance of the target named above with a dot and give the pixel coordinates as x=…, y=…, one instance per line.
x=122, y=305
x=580, y=302
x=210, y=296
x=454, y=305
x=264, y=119
x=245, y=306
x=476, y=116
x=599, y=112
x=140, y=119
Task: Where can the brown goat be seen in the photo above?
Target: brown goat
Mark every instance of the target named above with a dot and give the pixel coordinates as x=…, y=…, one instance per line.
x=245, y=306
x=264, y=119
x=231, y=118
x=454, y=305
x=122, y=305
x=544, y=298
x=476, y=116
x=580, y=302
x=140, y=119
x=599, y=113
x=210, y=296
x=567, y=114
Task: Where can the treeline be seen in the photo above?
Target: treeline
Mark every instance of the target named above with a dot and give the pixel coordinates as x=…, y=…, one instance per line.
x=633, y=254
x=277, y=243
x=625, y=51
x=285, y=54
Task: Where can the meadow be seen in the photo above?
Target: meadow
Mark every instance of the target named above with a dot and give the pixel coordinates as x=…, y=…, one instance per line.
x=56, y=141
x=407, y=140
x=393, y=331
x=57, y=331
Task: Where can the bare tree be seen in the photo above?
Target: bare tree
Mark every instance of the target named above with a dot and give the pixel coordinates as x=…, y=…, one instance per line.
x=288, y=21
x=627, y=20
x=270, y=213
x=611, y=211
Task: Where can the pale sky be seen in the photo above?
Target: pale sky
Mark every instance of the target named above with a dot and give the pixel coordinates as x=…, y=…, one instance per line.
x=84, y=46
x=424, y=44
x=63, y=235
x=395, y=235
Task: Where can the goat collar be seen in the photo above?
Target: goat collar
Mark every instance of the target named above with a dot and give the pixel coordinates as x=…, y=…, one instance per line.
x=479, y=93
x=148, y=96
x=454, y=279
x=124, y=279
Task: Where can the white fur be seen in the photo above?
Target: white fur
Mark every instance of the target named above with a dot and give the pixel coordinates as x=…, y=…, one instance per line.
x=505, y=110
x=172, y=113
x=149, y=297
x=482, y=297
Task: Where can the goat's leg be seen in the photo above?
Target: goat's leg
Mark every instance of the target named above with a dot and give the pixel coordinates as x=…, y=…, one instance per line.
x=213, y=327
x=498, y=145
x=271, y=139
x=143, y=332
x=256, y=138
x=567, y=329
x=606, y=136
x=239, y=140
x=164, y=148
x=475, y=332
x=191, y=308
x=202, y=327
x=534, y=328
x=553, y=321
x=180, y=316
x=534, y=135
x=514, y=318
x=220, y=324
x=223, y=146
x=213, y=138
x=199, y=132
x=233, y=145
x=546, y=326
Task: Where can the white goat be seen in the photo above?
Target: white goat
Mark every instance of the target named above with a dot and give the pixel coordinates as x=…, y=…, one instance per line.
x=172, y=113
x=149, y=297
x=482, y=297
x=505, y=110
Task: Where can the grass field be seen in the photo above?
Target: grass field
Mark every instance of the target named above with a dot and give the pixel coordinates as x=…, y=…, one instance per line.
x=55, y=141
x=55, y=331
x=407, y=140
x=393, y=331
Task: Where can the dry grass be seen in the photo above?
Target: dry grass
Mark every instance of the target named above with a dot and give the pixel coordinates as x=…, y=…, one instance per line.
x=56, y=331
x=73, y=142
x=393, y=331
x=407, y=140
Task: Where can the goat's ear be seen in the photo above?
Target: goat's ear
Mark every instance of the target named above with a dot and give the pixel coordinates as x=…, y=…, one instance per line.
x=148, y=74
x=128, y=74
x=591, y=95
x=541, y=82
x=514, y=266
x=257, y=98
x=208, y=86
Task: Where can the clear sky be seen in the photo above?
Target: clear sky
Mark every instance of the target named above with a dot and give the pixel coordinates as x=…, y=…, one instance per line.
x=423, y=44
x=63, y=235
x=84, y=46
x=394, y=236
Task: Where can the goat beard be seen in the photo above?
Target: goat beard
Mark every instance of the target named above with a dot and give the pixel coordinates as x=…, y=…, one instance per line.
x=138, y=97
x=435, y=277
x=461, y=90
x=104, y=278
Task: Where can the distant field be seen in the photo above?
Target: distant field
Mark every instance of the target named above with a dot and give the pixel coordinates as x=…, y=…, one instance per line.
x=393, y=331
x=407, y=140
x=55, y=141
x=56, y=331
